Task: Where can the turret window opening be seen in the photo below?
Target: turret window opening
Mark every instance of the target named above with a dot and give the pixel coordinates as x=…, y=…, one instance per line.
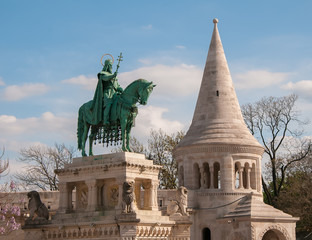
x=236, y=175
x=196, y=176
x=206, y=176
x=216, y=175
x=245, y=177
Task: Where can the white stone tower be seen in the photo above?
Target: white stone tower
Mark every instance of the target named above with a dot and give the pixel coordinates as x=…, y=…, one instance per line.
x=219, y=161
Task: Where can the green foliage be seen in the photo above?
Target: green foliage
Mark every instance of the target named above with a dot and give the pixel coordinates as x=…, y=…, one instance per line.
x=296, y=199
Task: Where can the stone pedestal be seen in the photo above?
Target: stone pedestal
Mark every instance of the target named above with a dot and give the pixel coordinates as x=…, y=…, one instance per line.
x=112, y=196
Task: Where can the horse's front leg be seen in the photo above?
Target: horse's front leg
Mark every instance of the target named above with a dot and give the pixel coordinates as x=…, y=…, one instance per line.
x=91, y=137
x=123, y=125
x=128, y=130
x=84, y=138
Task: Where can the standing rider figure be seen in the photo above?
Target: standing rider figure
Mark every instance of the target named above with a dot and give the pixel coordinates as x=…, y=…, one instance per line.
x=106, y=89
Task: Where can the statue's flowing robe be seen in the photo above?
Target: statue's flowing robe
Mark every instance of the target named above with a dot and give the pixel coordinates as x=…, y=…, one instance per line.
x=104, y=92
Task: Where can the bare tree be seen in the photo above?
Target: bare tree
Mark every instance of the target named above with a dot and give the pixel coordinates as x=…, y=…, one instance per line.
x=4, y=164
x=277, y=124
x=160, y=147
x=42, y=161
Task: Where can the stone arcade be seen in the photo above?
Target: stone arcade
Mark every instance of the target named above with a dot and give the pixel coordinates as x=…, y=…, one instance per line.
x=219, y=163
x=102, y=184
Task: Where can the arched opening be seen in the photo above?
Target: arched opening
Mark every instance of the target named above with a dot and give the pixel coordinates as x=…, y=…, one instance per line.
x=253, y=178
x=206, y=175
x=216, y=175
x=273, y=235
x=206, y=234
x=245, y=177
x=196, y=176
x=236, y=175
x=181, y=176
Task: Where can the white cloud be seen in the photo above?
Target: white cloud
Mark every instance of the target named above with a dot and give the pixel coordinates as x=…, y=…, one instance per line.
x=15, y=132
x=151, y=117
x=88, y=83
x=148, y=27
x=303, y=87
x=178, y=80
x=258, y=79
x=15, y=92
x=1, y=82
x=180, y=47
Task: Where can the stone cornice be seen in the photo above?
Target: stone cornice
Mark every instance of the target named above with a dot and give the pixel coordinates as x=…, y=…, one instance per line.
x=105, y=167
x=215, y=148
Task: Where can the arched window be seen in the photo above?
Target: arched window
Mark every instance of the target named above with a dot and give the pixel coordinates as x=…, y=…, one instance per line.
x=246, y=179
x=270, y=235
x=216, y=175
x=236, y=175
x=196, y=176
x=206, y=175
x=206, y=234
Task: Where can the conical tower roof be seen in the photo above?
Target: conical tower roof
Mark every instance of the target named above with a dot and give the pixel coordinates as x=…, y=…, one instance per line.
x=217, y=118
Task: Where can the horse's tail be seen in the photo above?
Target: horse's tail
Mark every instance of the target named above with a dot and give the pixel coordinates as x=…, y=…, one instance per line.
x=80, y=127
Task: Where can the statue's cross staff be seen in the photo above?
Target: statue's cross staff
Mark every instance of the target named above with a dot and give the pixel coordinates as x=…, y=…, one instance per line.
x=119, y=60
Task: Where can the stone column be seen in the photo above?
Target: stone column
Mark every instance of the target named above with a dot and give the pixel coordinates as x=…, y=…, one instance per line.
x=92, y=194
x=240, y=172
x=153, y=195
x=137, y=191
x=202, y=177
x=120, y=190
x=248, y=178
x=63, y=202
x=211, y=168
x=147, y=185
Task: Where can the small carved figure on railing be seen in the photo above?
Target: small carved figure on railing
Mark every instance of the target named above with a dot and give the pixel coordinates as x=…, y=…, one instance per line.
x=127, y=197
x=37, y=207
x=178, y=204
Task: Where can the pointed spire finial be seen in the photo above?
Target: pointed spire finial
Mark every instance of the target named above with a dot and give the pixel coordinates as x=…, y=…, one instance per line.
x=215, y=20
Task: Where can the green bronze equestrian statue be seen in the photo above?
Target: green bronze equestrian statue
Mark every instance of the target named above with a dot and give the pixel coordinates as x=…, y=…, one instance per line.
x=112, y=111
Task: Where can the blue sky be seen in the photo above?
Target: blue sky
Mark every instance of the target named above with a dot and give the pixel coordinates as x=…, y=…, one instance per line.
x=50, y=55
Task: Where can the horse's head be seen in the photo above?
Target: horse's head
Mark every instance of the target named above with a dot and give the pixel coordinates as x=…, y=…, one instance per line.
x=145, y=92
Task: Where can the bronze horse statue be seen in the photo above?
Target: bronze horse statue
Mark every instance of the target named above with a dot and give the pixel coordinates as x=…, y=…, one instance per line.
x=122, y=115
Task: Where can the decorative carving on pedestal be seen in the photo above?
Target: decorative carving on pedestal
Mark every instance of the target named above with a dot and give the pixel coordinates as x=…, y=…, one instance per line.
x=127, y=197
x=113, y=195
